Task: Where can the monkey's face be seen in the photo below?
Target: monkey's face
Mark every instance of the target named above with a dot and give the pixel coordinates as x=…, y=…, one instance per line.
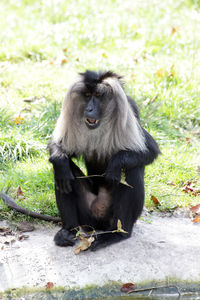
x=92, y=111
x=97, y=105
x=93, y=106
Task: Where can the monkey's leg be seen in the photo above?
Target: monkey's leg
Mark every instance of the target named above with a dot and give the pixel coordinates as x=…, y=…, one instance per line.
x=68, y=206
x=68, y=212
x=127, y=207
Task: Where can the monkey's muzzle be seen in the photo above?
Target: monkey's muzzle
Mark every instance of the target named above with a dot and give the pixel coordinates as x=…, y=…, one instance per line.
x=92, y=123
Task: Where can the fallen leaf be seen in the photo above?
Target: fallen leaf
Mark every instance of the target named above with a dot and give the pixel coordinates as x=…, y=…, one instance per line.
x=9, y=239
x=196, y=219
x=171, y=183
x=18, y=120
x=195, y=209
x=29, y=99
x=5, y=230
x=25, y=226
x=174, y=30
x=160, y=73
x=63, y=61
x=22, y=237
x=49, y=285
x=188, y=140
x=85, y=243
x=128, y=287
x=192, y=187
x=155, y=200
x=19, y=191
x=104, y=55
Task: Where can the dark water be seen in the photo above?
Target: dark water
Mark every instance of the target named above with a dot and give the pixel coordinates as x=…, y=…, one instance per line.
x=108, y=292
x=63, y=296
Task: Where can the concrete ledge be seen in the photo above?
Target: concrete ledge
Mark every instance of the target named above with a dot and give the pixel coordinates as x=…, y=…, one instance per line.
x=160, y=249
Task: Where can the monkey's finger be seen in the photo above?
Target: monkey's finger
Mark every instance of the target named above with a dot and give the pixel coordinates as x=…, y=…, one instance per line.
x=67, y=187
x=57, y=185
x=113, y=178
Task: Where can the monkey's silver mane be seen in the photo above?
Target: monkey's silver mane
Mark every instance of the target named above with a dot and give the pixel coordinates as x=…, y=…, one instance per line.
x=119, y=128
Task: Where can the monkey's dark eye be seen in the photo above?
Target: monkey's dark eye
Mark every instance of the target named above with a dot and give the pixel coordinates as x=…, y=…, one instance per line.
x=87, y=94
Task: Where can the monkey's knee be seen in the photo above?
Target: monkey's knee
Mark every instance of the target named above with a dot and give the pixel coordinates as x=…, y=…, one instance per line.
x=64, y=238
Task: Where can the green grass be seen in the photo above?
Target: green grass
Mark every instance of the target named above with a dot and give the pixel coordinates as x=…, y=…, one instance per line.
x=154, y=44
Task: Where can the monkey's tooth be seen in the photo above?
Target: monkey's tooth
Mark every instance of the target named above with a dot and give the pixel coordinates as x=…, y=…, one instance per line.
x=91, y=121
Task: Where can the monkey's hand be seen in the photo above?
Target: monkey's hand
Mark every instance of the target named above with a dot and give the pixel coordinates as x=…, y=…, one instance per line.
x=62, y=173
x=113, y=172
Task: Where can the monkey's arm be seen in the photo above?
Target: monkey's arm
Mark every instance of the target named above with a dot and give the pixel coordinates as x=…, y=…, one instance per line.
x=128, y=159
x=62, y=172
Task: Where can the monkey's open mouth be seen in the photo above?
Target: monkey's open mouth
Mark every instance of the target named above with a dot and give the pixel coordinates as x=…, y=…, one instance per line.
x=92, y=123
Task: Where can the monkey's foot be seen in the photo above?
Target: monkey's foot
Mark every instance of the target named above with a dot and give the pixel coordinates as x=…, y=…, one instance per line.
x=64, y=238
x=105, y=240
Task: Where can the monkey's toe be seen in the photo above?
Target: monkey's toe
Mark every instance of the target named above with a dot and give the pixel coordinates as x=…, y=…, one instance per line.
x=64, y=238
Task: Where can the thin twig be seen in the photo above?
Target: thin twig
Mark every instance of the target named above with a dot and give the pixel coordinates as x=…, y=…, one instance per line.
x=88, y=176
x=154, y=98
x=155, y=288
x=103, y=175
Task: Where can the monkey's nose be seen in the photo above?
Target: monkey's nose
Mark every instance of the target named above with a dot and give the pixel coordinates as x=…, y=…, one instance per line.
x=89, y=109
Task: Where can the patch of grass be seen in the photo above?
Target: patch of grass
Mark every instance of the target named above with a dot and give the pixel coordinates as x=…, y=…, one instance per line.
x=166, y=178
x=35, y=177
x=155, y=45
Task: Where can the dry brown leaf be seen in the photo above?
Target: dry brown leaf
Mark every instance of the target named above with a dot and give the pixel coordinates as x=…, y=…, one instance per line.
x=5, y=230
x=49, y=285
x=25, y=226
x=63, y=61
x=128, y=287
x=29, y=99
x=160, y=73
x=196, y=219
x=19, y=191
x=9, y=239
x=22, y=237
x=85, y=243
x=188, y=140
x=155, y=200
x=192, y=187
x=174, y=30
x=195, y=209
x=171, y=183
x=18, y=120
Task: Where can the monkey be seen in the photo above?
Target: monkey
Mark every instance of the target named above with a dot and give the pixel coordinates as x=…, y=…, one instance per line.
x=101, y=124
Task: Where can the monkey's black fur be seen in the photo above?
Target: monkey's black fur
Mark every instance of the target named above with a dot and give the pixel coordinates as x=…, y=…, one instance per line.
x=100, y=201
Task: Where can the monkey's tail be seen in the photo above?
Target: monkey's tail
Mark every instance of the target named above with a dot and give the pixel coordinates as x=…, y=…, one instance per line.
x=9, y=201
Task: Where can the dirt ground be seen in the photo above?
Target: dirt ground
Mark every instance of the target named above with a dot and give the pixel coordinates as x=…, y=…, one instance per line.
x=161, y=248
